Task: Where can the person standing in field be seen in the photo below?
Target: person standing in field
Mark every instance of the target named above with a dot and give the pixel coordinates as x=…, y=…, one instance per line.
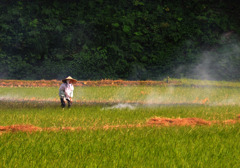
x=66, y=91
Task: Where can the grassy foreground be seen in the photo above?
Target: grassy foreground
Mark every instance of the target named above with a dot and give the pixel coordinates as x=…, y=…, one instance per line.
x=51, y=115
x=199, y=146
x=142, y=147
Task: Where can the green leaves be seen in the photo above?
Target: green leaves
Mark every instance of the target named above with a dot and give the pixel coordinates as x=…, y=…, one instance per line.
x=115, y=24
x=33, y=23
x=126, y=28
x=111, y=36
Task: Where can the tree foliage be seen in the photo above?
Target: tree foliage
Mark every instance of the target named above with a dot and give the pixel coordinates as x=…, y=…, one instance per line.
x=98, y=39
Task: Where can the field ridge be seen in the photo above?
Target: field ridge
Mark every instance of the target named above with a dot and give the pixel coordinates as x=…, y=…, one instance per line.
x=155, y=121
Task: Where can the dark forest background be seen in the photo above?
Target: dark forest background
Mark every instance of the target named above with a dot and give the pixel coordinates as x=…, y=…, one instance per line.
x=119, y=39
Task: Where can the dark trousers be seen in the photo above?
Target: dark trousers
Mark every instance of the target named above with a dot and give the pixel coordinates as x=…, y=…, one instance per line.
x=63, y=104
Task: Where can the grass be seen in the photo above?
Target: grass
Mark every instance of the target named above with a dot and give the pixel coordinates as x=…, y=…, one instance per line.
x=199, y=146
x=142, y=147
x=208, y=82
x=139, y=94
x=51, y=115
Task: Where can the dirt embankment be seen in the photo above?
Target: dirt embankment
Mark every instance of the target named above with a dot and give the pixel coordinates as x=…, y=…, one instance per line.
x=188, y=121
x=156, y=121
x=57, y=83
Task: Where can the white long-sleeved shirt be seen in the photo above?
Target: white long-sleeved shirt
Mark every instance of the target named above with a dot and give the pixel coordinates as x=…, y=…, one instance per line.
x=66, y=90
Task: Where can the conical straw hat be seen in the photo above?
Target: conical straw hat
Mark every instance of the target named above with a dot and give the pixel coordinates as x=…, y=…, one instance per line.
x=70, y=78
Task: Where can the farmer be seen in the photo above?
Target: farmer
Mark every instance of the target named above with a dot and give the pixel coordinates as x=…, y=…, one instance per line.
x=66, y=91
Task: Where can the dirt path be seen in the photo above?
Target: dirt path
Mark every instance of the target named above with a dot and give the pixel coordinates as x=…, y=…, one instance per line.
x=57, y=83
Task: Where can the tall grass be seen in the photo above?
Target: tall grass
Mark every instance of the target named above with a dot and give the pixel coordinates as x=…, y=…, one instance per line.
x=142, y=147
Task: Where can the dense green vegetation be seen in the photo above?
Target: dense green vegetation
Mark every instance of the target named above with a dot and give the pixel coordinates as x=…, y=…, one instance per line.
x=142, y=147
x=135, y=39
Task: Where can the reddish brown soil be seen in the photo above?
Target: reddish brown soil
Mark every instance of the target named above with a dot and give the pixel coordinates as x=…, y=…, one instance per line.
x=32, y=128
x=56, y=83
x=23, y=128
x=156, y=121
x=178, y=121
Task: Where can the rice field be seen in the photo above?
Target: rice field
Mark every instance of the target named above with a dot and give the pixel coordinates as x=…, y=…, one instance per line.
x=107, y=126
x=131, y=94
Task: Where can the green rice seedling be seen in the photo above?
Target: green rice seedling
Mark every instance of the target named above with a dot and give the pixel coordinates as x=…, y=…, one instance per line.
x=185, y=81
x=136, y=94
x=135, y=147
x=52, y=115
x=97, y=144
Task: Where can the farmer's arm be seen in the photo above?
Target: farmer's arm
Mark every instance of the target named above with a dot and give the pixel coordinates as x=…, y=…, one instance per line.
x=62, y=91
x=71, y=93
